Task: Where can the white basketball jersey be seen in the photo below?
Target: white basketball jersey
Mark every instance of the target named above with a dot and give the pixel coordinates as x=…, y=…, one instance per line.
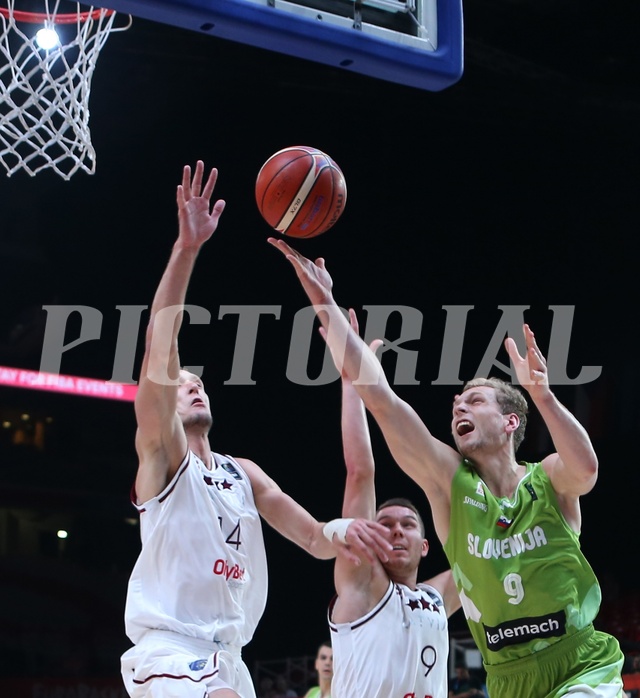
x=202, y=570
x=398, y=650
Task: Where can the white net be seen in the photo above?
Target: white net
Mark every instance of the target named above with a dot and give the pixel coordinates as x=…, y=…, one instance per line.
x=44, y=92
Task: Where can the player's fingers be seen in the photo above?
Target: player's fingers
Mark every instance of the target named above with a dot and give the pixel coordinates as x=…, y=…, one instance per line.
x=359, y=533
x=186, y=181
x=369, y=552
x=536, y=358
x=275, y=242
x=537, y=351
x=538, y=376
x=512, y=349
x=196, y=183
x=287, y=251
x=376, y=344
x=283, y=247
x=382, y=546
x=298, y=266
x=355, y=543
x=210, y=184
x=376, y=536
x=353, y=319
x=532, y=345
x=218, y=208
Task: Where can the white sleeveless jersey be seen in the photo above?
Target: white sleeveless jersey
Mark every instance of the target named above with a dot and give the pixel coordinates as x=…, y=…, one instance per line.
x=398, y=650
x=202, y=570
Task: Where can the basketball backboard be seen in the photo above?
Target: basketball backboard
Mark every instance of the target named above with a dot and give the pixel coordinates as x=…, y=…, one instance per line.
x=418, y=43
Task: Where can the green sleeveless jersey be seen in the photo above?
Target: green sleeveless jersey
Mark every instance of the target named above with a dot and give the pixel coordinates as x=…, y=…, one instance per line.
x=522, y=578
x=314, y=692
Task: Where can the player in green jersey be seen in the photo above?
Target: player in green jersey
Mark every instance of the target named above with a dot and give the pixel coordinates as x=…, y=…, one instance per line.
x=510, y=529
x=324, y=667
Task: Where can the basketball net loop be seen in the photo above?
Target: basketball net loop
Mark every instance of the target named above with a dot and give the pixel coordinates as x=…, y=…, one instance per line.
x=44, y=93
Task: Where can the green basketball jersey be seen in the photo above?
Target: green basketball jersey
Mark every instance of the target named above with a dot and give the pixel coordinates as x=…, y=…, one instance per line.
x=522, y=578
x=314, y=692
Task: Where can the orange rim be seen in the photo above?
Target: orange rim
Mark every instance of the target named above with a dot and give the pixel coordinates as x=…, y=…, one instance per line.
x=40, y=17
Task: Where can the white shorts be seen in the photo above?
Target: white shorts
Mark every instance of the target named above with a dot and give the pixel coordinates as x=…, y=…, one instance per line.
x=165, y=664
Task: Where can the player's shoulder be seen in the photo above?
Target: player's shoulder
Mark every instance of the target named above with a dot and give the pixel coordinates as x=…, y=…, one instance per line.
x=244, y=463
x=234, y=465
x=432, y=589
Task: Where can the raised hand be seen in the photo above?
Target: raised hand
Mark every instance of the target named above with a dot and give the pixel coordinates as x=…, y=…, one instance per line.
x=315, y=279
x=365, y=541
x=197, y=220
x=531, y=369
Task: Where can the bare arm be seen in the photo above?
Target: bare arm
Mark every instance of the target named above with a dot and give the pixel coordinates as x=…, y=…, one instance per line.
x=359, y=498
x=359, y=493
x=364, y=539
x=573, y=469
x=358, y=587
x=160, y=439
x=426, y=460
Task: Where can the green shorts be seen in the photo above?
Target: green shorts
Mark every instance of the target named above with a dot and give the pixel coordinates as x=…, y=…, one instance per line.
x=588, y=663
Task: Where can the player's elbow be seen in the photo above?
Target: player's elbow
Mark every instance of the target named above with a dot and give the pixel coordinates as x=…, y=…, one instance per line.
x=590, y=472
x=589, y=467
x=586, y=476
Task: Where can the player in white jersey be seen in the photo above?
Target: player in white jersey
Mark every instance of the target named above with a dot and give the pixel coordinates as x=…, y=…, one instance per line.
x=223, y=566
x=400, y=648
x=199, y=586
x=389, y=633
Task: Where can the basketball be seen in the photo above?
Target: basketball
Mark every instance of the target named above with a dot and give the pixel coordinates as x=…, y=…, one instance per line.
x=300, y=191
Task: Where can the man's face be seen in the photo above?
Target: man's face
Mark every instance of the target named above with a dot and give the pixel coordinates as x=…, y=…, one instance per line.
x=324, y=662
x=478, y=421
x=407, y=539
x=193, y=403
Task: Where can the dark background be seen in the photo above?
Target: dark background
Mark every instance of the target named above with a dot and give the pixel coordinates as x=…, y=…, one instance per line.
x=516, y=186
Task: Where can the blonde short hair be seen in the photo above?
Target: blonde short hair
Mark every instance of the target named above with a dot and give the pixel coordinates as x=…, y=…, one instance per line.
x=509, y=398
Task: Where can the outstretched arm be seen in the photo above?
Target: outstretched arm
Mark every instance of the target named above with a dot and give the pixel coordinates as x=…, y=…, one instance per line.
x=428, y=461
x=160, y=440
x=573, y=469
x=362, y=541
x=358, y=587
x=359, y=492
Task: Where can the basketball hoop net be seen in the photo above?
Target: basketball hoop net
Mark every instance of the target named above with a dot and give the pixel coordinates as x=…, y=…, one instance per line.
x=44, y=92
